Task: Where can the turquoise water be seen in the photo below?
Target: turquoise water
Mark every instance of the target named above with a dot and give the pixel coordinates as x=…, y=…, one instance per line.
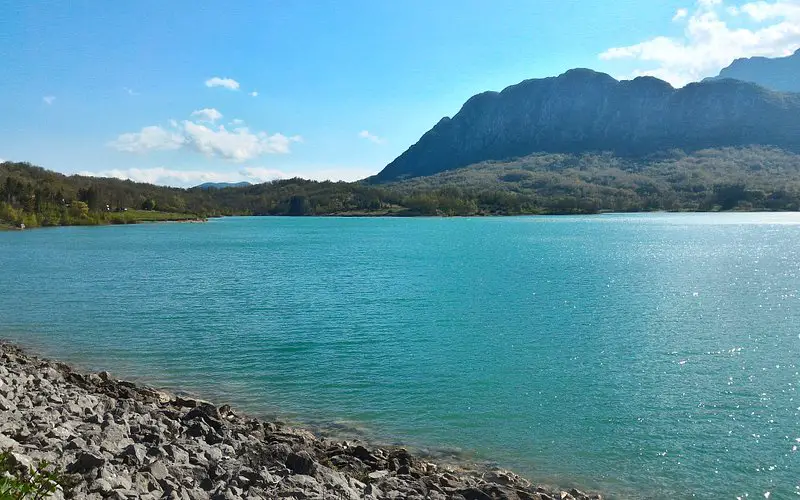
x=647, y=356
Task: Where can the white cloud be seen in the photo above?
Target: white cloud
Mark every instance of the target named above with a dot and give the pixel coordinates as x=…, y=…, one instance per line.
x=147, y=139
x=49, y=99
x=130, y=91
x=254, y=94
x=680, y=14
x=237, y=121
x=162, y=176
x=709, y=42
x=237, y=143
x=336, y=173
x=365, y=134
x=765, y=11
x=207, y=114
x=254, y=175
x=228, y=83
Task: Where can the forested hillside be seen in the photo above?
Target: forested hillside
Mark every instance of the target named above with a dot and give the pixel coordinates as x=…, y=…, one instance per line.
x=753, y=178
x=38, y=197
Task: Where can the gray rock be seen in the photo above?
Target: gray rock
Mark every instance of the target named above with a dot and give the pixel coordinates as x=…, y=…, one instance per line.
x=143, y=482
x=363, y=454
x=378, y=474
x=117, y=440
x=20, y=461
x=158, y=470
x=134, y=454
x=6, y=443
x=76, y=443
x=100, y=486
x=86, y=461
x=301, y=463
x=60, y=433
x=119, y=481
x=6, y=405
x=214, y=454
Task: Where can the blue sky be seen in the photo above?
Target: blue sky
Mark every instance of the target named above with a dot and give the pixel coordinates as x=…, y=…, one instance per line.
x=182, y=92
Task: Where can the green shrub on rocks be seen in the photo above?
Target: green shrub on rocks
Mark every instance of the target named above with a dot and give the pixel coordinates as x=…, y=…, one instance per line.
x=37, y=482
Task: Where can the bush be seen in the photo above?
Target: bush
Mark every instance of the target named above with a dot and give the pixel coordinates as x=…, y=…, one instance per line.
x=8, y=214
x=36, y=483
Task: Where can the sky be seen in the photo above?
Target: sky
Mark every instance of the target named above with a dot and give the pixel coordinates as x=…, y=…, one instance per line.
x=185, y=92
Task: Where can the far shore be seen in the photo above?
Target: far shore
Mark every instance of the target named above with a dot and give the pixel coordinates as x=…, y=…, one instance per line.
x=190, y=218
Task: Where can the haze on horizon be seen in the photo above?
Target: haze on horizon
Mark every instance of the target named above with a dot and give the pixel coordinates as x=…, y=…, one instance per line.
x=179, y=95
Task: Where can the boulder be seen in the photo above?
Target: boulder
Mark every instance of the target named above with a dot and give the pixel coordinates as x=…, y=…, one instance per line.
x=301, y=463
x=134, y=454
x=86, y=461
x=6, y=443
x=6, y=405
x=158, y=470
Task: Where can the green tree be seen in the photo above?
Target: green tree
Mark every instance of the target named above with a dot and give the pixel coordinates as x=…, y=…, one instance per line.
x=79, y=209
x=299, y=205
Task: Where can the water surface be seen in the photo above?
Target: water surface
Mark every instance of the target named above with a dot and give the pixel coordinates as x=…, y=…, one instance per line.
x=647, y=356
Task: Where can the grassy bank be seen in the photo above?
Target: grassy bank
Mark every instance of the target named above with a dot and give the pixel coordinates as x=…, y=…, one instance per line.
x=15, y=220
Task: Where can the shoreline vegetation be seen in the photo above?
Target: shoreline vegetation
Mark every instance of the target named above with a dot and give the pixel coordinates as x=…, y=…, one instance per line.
x=32, y=221
x=92, y=436
x=754, y=178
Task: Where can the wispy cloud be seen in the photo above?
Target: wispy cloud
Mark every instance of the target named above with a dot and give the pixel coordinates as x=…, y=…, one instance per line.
x=130, y=91
x=255, y=175
x=207, y=114
x=254, y=94
x=147, y=139
x=49, y=99
x=162, y=176
x=238, y=143
x=228, y=83
x=680, y=14
x=365, y=134
x=715, y=34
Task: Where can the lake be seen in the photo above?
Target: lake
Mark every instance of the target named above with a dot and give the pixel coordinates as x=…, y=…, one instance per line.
x=644, y=356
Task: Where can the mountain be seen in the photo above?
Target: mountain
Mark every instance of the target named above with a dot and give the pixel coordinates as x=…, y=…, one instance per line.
x=223, y=185
x=781, y=74
x=584, y=111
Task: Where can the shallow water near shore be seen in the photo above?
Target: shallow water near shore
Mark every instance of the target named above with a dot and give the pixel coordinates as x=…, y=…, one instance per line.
x=651, y=356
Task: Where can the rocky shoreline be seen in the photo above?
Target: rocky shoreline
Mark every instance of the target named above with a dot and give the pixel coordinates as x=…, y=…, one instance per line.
x=115, y=439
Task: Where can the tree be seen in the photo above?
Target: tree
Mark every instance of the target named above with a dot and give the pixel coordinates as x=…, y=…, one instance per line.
x=299, y=205
x=149, y=204
x=79, y=209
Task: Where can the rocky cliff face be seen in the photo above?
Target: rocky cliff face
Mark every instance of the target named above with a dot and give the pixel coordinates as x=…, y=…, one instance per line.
x=781, y=74
x=582, y=111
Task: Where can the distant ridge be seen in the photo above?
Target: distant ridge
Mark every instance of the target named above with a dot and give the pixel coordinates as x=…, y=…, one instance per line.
x=780, y=73
x=222, y=185
x=584, y=111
